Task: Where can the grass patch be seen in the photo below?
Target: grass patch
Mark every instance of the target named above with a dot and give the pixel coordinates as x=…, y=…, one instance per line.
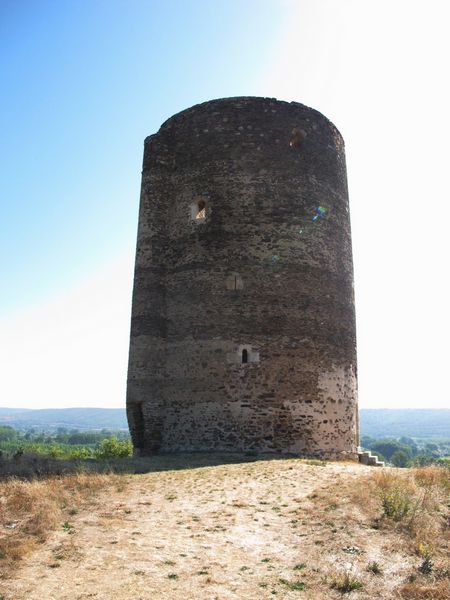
x=346, y=583
x=419, y=590
x=374, y=568
x=412, y=500
x=38, y=507
x=295, y=586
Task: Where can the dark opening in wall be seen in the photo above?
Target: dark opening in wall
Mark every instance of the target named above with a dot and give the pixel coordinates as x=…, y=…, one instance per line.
x=243, y=355
x=201, y=206
x=198, y=210
x=138, y=425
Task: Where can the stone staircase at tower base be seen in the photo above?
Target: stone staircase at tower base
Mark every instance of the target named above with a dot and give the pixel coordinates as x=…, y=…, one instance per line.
x=365, y=457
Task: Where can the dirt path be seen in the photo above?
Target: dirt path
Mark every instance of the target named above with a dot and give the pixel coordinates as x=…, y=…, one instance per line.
x=241, y=531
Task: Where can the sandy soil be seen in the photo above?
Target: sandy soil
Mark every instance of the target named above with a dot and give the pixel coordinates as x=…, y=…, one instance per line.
x=265, y=529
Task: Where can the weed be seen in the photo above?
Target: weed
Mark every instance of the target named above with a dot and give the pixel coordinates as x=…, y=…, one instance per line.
x=295, y=586
x=172, y=576
x=415, y=501
x=170, y=563
x=299, y=567
x=244, y=568
x=346, y=583
x=374, y=568
x=427, y=564
x=67, y=526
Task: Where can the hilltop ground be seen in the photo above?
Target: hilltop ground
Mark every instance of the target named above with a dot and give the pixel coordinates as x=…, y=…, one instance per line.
x=252, y=530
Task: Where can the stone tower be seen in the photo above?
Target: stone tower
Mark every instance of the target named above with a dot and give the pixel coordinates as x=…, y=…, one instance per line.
x=243, y=326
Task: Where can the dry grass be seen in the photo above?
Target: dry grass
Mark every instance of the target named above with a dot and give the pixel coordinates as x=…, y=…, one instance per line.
x=424, y=590
x=261, y=529
x=31, y=510
x=415, y=501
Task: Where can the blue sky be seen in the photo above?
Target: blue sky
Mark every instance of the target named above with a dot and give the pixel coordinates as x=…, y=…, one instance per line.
x=84, y=82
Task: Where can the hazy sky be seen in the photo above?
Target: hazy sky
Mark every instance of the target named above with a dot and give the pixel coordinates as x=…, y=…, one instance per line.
x=83, y=82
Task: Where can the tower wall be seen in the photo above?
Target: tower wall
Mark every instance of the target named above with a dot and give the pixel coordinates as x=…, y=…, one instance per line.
x=243, y=327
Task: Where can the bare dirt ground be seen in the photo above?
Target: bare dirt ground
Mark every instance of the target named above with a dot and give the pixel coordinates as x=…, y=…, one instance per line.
x=256, y=530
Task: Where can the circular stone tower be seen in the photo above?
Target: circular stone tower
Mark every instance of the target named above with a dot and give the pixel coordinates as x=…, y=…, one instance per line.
x=243, y=326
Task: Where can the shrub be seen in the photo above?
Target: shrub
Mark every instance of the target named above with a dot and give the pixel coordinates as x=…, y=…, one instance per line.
x=114, y=448
x=427, y=564
x=415, y=500
x=396, y=503
x=81, y=453
x=346, y=583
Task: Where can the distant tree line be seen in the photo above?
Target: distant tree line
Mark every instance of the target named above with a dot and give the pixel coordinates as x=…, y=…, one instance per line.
x=65, y=443
x=407, y=451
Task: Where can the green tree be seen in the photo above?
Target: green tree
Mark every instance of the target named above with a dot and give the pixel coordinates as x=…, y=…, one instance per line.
x=432, y=450
x=407, y=441
x=114, y=448
x=367, y=441
x=7, y=433
x=422, y=460
x=400, y=459
x=387, y=447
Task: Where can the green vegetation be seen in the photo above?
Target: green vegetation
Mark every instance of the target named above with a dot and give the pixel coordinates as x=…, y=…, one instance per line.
x=65, y=444
x=346, y=583
x=397, y=502
x=409, y=452
x=374, y=568
x=295, y=586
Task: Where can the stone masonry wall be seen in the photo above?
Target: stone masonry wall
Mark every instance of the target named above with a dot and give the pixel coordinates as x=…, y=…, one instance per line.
x=243, y=327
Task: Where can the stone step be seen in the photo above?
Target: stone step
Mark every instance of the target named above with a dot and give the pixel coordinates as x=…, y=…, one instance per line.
x=367, y=458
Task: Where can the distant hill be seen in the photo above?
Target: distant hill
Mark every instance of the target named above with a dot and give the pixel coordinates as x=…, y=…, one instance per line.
x=71, y=418
x=419, y=423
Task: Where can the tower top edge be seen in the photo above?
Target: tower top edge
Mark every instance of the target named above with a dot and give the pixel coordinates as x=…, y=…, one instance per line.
x=241, y=102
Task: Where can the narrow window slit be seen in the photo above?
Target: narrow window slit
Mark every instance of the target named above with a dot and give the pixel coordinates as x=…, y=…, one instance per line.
x=201, y=213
